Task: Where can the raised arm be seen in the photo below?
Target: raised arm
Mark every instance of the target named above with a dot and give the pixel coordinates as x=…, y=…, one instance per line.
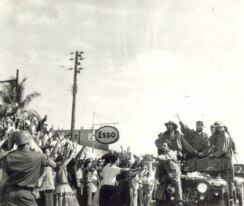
x=184, y=128
x=47, y=161
x=10, y=137
x=187, y=146
x=69, y=158
x=80, y=153
x=55, y=148
x=128, y=170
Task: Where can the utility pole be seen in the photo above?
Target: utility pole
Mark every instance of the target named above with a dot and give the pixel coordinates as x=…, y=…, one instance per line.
x=75, y=89
x=13, y=80
x=93, y=131
x=17, y=80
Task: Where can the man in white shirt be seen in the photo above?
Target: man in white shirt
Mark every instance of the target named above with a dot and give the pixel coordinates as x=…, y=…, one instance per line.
x=108, y=190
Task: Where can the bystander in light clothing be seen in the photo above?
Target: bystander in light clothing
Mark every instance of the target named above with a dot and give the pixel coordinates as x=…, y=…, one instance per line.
x=108, y=194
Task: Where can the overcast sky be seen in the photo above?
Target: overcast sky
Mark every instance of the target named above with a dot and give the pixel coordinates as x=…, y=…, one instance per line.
x=144, y=61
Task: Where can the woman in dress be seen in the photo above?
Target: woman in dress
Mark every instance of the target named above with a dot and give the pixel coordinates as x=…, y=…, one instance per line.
x=64, y=195
x=46, y=182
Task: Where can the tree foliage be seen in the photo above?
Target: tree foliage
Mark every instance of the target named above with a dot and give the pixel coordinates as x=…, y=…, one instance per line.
x=14, y=100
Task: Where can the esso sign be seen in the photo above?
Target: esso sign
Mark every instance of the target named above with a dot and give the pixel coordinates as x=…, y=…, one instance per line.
x=107, y=135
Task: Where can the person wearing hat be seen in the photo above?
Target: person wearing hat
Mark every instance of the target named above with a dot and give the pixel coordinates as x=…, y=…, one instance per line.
x=223, y=148
x=176, y=140
x=223, y=143
x=23, y=167
x=196, y=138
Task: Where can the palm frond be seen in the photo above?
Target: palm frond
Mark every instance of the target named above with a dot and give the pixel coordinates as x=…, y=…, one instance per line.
x=23, y=81
x=28, y=99
x=12, y=96
x=31, y=114
x=9, y=86
x=8, y=92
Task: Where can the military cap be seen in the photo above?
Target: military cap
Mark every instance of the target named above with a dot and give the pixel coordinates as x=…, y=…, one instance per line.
x=200, y=123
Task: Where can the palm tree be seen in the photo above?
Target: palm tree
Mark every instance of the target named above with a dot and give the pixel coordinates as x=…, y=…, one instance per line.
x=13, y=100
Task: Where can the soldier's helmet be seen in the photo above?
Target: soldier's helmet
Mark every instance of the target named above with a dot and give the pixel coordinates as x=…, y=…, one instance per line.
x=22, y=137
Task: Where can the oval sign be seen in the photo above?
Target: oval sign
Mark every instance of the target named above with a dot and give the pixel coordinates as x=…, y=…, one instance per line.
x=107, y=135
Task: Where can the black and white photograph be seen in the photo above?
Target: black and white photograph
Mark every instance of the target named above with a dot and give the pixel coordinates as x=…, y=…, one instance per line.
x=121, y=102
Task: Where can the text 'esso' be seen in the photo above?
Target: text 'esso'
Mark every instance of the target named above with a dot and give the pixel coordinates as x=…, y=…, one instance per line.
x=107, y=135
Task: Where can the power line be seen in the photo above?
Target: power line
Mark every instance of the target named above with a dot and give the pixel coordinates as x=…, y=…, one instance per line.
x=10, y=45
x=18, y=53
x=46, y=72
x=24, y=59
x=20, y=63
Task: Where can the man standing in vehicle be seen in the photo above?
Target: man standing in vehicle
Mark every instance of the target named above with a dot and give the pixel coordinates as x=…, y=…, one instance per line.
x=196, y=138
x=23, y=167
x=175, y=139
x=222, y=144
x=169, y=170
x=222, y=147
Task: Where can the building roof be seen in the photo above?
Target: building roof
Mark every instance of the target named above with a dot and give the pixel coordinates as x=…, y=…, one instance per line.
x=81, y=137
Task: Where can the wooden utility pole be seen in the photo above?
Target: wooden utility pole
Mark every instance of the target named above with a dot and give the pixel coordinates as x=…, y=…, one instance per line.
x=17, y=80
x=74, y=90
x=93, y=131
x=13, y=80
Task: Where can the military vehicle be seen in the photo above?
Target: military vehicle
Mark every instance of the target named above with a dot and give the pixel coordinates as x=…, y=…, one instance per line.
x=204, y=183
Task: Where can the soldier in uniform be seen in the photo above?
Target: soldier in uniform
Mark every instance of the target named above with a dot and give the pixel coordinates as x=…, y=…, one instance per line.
x=223, y=143
x=169, y=170
x=196, y=138
x=222, y=146
x=23, y=167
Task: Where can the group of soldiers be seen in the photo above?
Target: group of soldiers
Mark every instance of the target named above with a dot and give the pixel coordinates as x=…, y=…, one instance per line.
x=174, y=146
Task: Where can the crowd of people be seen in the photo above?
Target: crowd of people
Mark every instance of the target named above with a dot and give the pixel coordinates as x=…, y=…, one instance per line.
x=40, y=166
x=43, y=167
